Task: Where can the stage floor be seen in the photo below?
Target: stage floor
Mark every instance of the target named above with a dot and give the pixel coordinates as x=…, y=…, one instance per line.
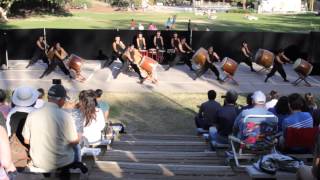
x=177, y=79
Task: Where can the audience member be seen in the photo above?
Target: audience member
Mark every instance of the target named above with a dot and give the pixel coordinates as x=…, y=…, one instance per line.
x=51, y=133
x=259, y=108
x=92, y=118
x=152, y=27
x=103, y=105
x=207, y=112
x=141, y=27
x=249, y=102
x=133, y=24
x=310, y=101
x=281, y=110
x=40, y=102
x=6, y=164
x=297, y=118
x=4, y=107
x=273, y=99
x=225, y=119
x=168, y=24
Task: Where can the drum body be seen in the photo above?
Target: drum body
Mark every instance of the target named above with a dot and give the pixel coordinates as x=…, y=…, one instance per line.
x=229, y=65
x=148, y=64
x=302, y=67
x=136, y=57
x=200, y=57
x=75, y=63
x=144, y=52
x=264, y=58
x=160, y=55
x=152, y=53
x=171, y=51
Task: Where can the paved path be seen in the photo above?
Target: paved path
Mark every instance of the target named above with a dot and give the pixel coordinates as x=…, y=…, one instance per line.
x=177, y=79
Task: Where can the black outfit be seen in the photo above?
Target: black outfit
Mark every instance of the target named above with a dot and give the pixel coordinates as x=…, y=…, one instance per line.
x=141, y=45
x=54, y=63
x=185, y=57
x=277, y=67
x=158, y=43
x=116, y=55
x=225, y=119
x=135, y=66
x=207, y=114
x=17, y=121
x=38, y=54
x=208, y=65
x=176, y=43
x=247, y=60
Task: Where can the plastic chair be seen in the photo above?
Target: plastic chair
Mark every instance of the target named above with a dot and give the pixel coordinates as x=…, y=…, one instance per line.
x=257, y=138
x=300, y=137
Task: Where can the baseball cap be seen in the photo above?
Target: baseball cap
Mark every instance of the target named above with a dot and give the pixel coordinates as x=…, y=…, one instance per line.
x=58, y=91
x=259, y=97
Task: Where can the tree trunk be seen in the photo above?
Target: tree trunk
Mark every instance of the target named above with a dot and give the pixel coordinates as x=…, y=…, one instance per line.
x=3, y=15
x=311, y=4
x=244, y=4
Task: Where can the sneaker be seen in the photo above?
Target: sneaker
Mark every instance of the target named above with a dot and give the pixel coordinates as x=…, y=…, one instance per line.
x=286, y=80
x=266, y=80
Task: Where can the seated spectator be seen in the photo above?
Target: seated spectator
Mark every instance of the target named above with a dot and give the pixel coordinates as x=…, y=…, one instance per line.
x=133, y=24
x=273, y=99
x=4, y=107
x=259, y=108
x=311, y=172
x=51, y=133
x=103, y=105
x=207, y=112
x=91, y=117
x=23, y=98
x=225, y=119
x=6, y=164
x=249, y=102
x=40, y=102
x=310, y=101
x=281, y=110
x=140, y=27
x=297, y=118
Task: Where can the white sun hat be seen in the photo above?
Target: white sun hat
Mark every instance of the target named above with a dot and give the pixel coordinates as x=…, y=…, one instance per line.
x=25, y=96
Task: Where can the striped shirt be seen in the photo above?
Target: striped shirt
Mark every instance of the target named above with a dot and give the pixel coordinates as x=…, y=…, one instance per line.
x=298, y=120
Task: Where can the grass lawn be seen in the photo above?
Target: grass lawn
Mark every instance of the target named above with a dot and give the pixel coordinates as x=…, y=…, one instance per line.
x=157, y=113
x=121, y=20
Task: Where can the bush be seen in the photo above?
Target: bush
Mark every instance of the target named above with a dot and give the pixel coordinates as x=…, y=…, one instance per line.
x=241, y=11
x=120, y=3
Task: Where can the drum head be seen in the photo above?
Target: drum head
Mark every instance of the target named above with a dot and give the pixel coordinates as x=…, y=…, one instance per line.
x=296, y=63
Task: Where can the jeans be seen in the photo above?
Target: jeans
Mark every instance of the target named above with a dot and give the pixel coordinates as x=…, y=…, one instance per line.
x=214, y=136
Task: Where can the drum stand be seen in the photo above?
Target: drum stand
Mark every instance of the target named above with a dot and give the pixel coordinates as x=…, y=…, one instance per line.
x=229, y=76
x=300, y=79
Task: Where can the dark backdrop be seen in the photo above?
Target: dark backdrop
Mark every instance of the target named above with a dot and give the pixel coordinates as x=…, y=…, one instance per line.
x=86, y=43
x=2, y=48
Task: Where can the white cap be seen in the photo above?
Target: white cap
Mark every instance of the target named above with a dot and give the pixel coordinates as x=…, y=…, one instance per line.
x=258, y=97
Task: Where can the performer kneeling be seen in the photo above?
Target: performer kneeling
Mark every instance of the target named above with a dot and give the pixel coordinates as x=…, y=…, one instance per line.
x=183, y=52
x=133, y=57
x=40, y=52
x=246, y=55
x=212, y=58
x=279, y=60
x=56, y=55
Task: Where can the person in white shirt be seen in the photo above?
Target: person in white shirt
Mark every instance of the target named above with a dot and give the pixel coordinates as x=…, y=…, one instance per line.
x=140, y=27
x=273, y=99
x=40, y=102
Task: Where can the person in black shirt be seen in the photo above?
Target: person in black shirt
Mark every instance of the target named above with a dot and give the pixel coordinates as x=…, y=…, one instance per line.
x=175, y=41
x=158, y=41
x=57, y=55
x=212, y=58
x=40, y=52
x=141, y=42
x=279, y=60
x=118, y=49
x=207, y=112
x=246, y=55
x=185, y=53
x=225, y=118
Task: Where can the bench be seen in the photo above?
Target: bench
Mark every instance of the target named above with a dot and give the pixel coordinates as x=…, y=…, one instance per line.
x=74, y=173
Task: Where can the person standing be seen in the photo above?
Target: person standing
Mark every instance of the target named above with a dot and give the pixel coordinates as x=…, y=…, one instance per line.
x=40, y=52
x=118, y=49
x=158, y=41
x=175, y=41
x=279, y=60
x=141, y=42
x=246, y=55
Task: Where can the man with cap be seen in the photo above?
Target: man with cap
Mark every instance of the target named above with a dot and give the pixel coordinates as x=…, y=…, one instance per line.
x=225, y=119
x=207, y=113
x=259, y=108
x=51, y=134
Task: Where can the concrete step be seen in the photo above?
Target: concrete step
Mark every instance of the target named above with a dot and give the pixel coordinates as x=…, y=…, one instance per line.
x=191, y=158
x=135, y=137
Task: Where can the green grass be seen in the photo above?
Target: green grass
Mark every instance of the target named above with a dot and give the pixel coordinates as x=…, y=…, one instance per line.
x=121, y=20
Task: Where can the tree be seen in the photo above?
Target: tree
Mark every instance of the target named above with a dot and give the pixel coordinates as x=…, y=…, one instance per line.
x=244, y=4
x=311, y=5
x=5, y=6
